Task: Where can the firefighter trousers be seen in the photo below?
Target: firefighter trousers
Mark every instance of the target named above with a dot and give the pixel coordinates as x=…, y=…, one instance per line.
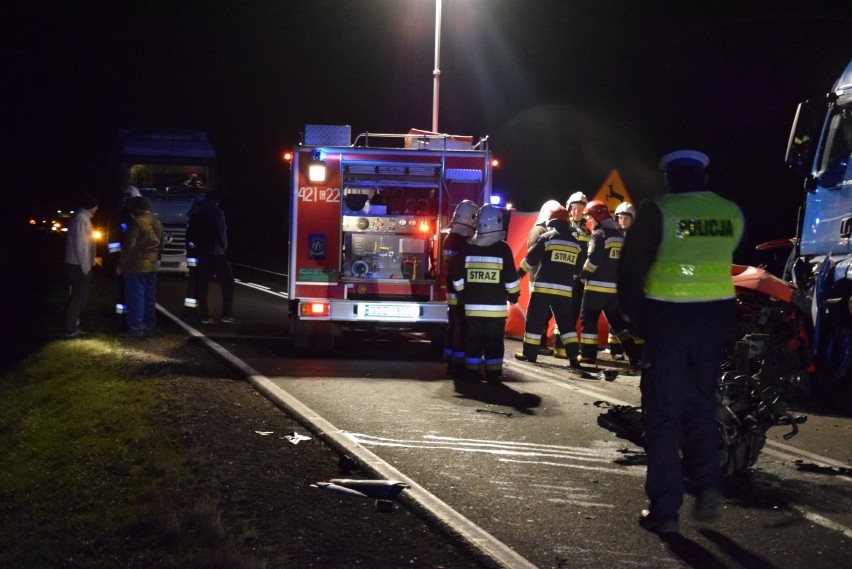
x=484, y=344
x=454, y=339
x=595, y=303
x=540, y=307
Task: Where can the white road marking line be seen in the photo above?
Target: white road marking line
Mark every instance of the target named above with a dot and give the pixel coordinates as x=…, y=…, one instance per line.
x=262, y=288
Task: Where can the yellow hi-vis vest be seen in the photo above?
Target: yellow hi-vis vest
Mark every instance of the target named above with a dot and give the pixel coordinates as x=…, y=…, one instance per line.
x=700, y=232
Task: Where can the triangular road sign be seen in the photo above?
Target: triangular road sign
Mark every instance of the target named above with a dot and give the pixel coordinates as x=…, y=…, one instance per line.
x=613, y=192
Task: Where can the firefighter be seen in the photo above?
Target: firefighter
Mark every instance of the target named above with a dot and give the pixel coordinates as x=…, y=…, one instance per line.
x=461, y=229
x=677, y=266
x=538, y=229
x=599, y=275
x=485, y=278
x=575, y=205
x=624, y=215
x=552, y=261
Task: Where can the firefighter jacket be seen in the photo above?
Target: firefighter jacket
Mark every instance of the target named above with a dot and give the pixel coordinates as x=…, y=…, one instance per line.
x=553, y=260
x=143, y=243
x=452, y=248
x=485, y=278
x=583, y=237
x=700, y=232
x=601, y=267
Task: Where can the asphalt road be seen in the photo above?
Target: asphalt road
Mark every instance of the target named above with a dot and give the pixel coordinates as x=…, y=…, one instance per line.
x=527, y=462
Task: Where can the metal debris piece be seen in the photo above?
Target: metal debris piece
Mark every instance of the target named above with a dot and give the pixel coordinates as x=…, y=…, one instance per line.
x=494, y=412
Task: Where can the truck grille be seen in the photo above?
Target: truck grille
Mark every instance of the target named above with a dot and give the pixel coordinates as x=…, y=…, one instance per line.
x=175, y=239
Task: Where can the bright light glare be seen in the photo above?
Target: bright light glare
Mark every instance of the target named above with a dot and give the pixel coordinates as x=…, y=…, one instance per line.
x=496, y=199
x=316, y=172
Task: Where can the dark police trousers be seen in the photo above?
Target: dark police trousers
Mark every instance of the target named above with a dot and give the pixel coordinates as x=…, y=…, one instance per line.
x=684, y=345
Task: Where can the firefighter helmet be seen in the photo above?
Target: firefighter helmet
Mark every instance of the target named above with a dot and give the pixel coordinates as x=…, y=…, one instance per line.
x=464, y=218
x=577, y=197
x=597, y=210
x=625, y=208
x=549, y=207
x=489, y=219
x=559, y=214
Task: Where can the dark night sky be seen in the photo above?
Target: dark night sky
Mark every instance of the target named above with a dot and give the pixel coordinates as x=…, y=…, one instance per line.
x=567, y=90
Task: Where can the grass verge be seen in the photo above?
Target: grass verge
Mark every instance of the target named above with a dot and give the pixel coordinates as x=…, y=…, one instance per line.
x=91, y=475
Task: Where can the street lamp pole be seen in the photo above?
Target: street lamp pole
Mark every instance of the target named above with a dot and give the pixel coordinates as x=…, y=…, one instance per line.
x=436, y=73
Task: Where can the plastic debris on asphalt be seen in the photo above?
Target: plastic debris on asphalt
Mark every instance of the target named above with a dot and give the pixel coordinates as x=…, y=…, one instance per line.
x=296, y=438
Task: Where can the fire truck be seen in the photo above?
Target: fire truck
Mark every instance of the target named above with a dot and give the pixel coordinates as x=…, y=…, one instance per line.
x=365, y=229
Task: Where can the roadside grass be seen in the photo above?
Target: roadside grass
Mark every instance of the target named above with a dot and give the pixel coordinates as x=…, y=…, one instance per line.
x=94, y=474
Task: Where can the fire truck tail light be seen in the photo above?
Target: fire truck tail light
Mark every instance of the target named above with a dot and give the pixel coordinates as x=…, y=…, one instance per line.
x=424, y=227
x=314, y=309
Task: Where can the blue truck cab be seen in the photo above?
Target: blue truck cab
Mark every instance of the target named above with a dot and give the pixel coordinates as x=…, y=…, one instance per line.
x=819, y=148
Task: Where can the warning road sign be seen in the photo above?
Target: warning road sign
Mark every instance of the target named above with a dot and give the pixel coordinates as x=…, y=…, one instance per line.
x=613, y=192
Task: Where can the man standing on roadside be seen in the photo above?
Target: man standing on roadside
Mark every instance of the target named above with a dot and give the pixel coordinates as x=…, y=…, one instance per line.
x=139, y=261
x=208, y=231
x=675, y=285
x=79, y=262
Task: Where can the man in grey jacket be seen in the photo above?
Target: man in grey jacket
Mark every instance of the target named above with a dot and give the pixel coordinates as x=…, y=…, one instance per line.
x=79, y=262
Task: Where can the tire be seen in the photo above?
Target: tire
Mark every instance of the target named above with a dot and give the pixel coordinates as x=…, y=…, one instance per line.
x=836, y=356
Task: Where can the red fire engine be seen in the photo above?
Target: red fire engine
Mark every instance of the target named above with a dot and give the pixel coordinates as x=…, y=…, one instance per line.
x=365, y=221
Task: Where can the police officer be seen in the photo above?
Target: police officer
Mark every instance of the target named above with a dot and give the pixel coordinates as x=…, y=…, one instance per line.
x=677, y=267
x=461, y=228
x=485, y=279
x=552, y=260
x=599, y=277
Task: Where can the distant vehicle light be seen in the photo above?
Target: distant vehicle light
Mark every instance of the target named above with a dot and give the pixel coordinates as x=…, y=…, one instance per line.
x=314, y=309
x=495, y=163
x=287, y=156
x=97, y=235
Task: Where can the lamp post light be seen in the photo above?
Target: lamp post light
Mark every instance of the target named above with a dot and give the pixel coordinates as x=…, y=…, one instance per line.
x=436, y=73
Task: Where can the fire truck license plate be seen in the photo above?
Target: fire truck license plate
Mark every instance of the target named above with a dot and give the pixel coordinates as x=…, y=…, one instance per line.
x=389, y=311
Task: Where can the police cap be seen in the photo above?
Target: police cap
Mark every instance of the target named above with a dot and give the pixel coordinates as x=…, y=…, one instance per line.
x=684, y=159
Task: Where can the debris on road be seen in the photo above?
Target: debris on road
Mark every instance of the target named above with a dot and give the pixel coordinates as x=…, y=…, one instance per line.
x=494, y=412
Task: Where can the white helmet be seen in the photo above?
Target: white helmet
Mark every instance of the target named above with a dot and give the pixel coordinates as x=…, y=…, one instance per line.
x=625, y=208
x=464, y=218
x=546, y=210
x=489, y=225
x=131, y=191
x=575, y=198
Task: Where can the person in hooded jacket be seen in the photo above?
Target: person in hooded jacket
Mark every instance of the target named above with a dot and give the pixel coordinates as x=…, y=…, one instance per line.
x=138, y=264
x=485, y=278
x=552, y=261
x=80, y=253
x=461, y=229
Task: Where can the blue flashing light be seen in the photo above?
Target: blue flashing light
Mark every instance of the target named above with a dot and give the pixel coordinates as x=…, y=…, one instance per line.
x=496, y=199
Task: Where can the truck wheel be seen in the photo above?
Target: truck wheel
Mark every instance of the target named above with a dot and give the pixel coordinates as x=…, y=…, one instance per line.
x=836, y=358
